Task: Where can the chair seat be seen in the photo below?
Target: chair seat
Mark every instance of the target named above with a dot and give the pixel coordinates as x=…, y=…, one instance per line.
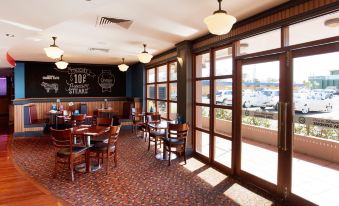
x=103, y=139
x=67, y=151
x=101, y=146
x=174, y=141
x=157, y=133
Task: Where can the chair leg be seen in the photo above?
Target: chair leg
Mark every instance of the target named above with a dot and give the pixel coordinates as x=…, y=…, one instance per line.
x=155, y=148
x=185, y=153
x=149, y=143
x=72, y=169
x=115, y=159
x=107, y=163
x=169, y=155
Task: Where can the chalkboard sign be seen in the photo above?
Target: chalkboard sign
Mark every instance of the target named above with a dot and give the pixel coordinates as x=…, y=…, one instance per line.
x=78, y=80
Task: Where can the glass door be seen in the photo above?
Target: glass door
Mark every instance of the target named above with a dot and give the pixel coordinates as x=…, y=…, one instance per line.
x=315, y=173
x=264, y=115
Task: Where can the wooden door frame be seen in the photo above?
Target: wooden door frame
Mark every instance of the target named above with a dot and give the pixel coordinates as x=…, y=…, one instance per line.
x=283, y=163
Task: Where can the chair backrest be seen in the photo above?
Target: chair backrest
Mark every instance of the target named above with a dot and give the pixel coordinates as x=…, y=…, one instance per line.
x=114, y=133
x=103, y=121
x=83, y=108
x=126, y=110
x=61, y=138
x=78, y=119
x=33, y=114
x=178, y=131
x=156, y=118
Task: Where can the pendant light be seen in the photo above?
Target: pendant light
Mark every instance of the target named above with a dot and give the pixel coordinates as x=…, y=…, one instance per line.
x=53, y=51
x=61, y=64
x=220, y=22
x=123, y=67
x=144, y=57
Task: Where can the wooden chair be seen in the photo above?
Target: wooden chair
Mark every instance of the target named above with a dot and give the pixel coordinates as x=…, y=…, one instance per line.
x=102, y=121
x=154, y=135
x=105, y=150
x=177, y=134
x=33, y=115
x=66, y=152
x=77, y=120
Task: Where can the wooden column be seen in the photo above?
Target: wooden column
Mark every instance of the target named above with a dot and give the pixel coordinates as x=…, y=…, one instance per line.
x=185, y=89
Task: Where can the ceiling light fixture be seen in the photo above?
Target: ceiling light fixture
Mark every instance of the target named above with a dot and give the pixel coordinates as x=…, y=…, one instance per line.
x=332, y=22
x=144, y=57
x=53, y=51
x=123, y=67
x=61, y=64
x=220, y=22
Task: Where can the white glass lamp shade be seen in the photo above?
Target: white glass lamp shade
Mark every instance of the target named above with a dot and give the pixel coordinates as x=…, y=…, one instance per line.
x=145, y=57
x=220, y=23
x=61, y=64
x=123, y=67
x=53, y=52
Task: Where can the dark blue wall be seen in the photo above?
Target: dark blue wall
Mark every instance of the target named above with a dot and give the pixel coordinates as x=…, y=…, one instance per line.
x=19, y=80
x=135, y=81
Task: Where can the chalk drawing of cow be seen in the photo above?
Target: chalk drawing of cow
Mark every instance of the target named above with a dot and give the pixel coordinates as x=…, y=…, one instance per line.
x=48, y=87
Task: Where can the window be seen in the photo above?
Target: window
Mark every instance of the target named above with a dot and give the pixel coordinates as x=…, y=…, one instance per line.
x=305, y=31
x=260, y=43
x=213, y=105
x=161, y=91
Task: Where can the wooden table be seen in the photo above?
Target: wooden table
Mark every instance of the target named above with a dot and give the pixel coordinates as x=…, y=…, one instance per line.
x=109, y=113
x=67, y=118
x=87, y=132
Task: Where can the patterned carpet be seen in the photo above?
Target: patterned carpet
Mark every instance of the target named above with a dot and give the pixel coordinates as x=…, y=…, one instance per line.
x=139, y=179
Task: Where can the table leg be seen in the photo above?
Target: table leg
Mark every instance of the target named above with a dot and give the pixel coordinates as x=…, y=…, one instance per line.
x=88, y=162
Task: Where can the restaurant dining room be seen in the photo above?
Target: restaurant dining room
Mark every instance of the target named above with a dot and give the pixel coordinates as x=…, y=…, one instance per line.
x=178, y=102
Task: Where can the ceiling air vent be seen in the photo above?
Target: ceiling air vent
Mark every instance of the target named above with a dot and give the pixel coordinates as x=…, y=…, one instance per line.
x=99, y=49
x=124, y=23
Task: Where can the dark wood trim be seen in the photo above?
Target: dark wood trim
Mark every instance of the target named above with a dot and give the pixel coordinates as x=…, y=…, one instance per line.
x=315, y=50
x=236, y=115
x=259, y=183
x=223, y=136
x=293, y=199
x=201, y=158
x=261, y=59
x=301, y=16
x=261, y=54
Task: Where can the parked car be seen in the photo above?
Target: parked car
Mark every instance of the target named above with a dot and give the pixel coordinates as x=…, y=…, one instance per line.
x=332, y=89
x=323, y=93
x=311, y=102
x=266, y=98
x=248, y=97
x=223, y=97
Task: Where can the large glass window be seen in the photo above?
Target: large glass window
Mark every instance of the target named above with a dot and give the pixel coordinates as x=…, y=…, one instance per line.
x=213, y=105
x=162, y=90
x=262, y=42
x=314, y=29
x=202, y=65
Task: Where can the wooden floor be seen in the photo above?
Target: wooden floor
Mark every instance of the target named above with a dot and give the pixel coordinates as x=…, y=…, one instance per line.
x=16, y=188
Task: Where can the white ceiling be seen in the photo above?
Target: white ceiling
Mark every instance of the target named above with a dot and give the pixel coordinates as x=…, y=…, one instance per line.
x=158, y=23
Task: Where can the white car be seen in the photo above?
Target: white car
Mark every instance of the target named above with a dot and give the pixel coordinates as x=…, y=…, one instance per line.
x=223, y=97
x=313, y=102
x=266, y=98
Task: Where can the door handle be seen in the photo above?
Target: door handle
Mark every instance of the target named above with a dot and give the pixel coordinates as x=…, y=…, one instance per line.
x=282, y=129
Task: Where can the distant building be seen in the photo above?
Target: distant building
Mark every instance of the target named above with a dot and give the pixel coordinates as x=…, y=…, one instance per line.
x=322, y=82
